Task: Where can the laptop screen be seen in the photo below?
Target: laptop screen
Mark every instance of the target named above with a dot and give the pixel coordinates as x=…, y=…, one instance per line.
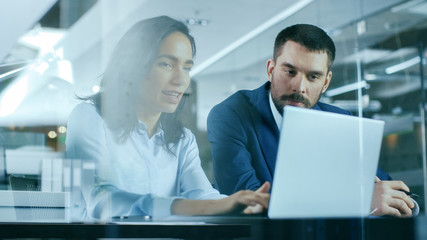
x=326, y=165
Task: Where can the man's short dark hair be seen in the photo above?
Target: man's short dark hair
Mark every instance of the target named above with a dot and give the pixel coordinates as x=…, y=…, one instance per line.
x=309, y=36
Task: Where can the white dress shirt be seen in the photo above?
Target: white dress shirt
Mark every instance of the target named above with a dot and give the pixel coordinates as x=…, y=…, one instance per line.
x=278, y=118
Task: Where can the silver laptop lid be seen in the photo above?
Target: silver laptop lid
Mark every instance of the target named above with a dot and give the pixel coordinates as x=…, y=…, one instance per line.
x=326, y=165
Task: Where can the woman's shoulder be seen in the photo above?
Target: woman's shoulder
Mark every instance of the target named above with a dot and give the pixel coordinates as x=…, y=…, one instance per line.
x=84, y=113
x=84, y=109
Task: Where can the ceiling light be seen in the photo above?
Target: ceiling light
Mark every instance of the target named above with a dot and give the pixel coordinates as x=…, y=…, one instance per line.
x=279, y=17
x=406, y=5
x=42, y=38
x=346, y=88
x=62, y=129
x=195, y=21
x=95, y=88
x=370, y=77
x=361, y=27
x=11, y=72
x=403, y=65
x=52, y=134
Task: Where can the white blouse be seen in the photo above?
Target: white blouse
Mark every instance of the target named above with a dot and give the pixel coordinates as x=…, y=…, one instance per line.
x=138, y=176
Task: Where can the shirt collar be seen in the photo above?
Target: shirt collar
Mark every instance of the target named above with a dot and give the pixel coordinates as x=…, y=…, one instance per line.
x=143, y=128
x=277, y=116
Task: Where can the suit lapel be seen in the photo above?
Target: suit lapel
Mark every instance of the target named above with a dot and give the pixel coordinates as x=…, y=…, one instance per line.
x=265, y=127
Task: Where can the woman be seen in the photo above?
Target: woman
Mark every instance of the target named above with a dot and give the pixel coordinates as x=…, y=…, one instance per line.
x=147, y=162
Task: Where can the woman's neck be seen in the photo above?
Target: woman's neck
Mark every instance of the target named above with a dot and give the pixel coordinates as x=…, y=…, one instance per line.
x=150, y=121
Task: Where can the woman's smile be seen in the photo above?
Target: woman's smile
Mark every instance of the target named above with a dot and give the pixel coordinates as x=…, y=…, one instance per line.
x=172, y=96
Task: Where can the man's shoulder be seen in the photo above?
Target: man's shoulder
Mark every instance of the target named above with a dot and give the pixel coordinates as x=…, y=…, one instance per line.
x=331, y=108
x=242, y=99
x=239, y=106
x=238, y=101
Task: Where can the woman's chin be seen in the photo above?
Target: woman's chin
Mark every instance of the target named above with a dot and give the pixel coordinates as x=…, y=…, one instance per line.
x=169, y=109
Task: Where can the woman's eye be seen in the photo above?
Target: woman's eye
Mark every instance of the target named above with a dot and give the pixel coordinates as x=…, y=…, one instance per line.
x=187, y=69
x=165, y=65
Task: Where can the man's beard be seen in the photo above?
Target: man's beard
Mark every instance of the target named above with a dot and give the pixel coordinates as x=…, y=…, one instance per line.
x=295, y=97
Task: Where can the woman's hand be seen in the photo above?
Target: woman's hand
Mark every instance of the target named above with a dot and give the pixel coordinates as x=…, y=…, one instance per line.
x=251, y=202
x=245, y=201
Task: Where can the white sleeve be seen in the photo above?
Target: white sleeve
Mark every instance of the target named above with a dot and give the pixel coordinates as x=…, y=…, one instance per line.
x=193, y=181
x=112, y=202
x=86, y=140
x=85, y=134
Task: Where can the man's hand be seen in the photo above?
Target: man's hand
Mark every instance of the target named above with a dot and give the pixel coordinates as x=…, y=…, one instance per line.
x=388, y=200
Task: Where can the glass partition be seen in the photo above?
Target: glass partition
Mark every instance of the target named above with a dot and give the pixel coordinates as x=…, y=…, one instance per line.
x=59, y=56
x=386, y=58
x=377, y=74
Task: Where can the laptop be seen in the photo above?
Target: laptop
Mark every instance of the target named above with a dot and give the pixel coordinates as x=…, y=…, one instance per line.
x=326, y=165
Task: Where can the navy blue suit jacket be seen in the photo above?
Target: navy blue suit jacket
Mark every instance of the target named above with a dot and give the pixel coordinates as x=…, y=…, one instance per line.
x=244, y=138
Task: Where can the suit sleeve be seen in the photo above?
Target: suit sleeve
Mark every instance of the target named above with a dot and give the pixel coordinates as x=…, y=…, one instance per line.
x=232, y=162
x=192, y=179
x=382, y=175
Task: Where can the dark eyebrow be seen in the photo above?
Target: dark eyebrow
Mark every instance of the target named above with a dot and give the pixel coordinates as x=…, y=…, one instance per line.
x=173, y=58
x=288, y=65
x=318, y=73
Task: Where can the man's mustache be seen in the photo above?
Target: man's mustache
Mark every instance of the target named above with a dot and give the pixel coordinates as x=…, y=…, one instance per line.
x=296, y=97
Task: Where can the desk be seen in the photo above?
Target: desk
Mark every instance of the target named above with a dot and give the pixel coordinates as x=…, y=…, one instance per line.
x=386, y=228
x=102, y=230
x=379, y=228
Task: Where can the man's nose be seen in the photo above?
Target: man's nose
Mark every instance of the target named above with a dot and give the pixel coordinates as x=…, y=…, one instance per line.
x=299, y=82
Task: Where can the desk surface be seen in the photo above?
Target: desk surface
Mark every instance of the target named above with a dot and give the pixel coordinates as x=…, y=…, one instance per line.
x=385, y=228
x=143, y=230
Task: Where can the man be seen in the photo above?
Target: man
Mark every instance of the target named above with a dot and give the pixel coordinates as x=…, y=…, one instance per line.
x=244, y=128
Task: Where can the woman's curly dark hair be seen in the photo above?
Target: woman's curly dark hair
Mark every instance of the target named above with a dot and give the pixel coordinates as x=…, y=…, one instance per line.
x=131, y=61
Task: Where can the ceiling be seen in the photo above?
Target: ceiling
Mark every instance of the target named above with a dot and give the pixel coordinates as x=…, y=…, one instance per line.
x=232, y=48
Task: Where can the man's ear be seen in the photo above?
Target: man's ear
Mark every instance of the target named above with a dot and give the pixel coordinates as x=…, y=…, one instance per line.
x=327, y=82
x=270, y=68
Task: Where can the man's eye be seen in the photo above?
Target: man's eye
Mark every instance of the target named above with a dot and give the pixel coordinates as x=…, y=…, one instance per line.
x=290, y=72
x=313, y=77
